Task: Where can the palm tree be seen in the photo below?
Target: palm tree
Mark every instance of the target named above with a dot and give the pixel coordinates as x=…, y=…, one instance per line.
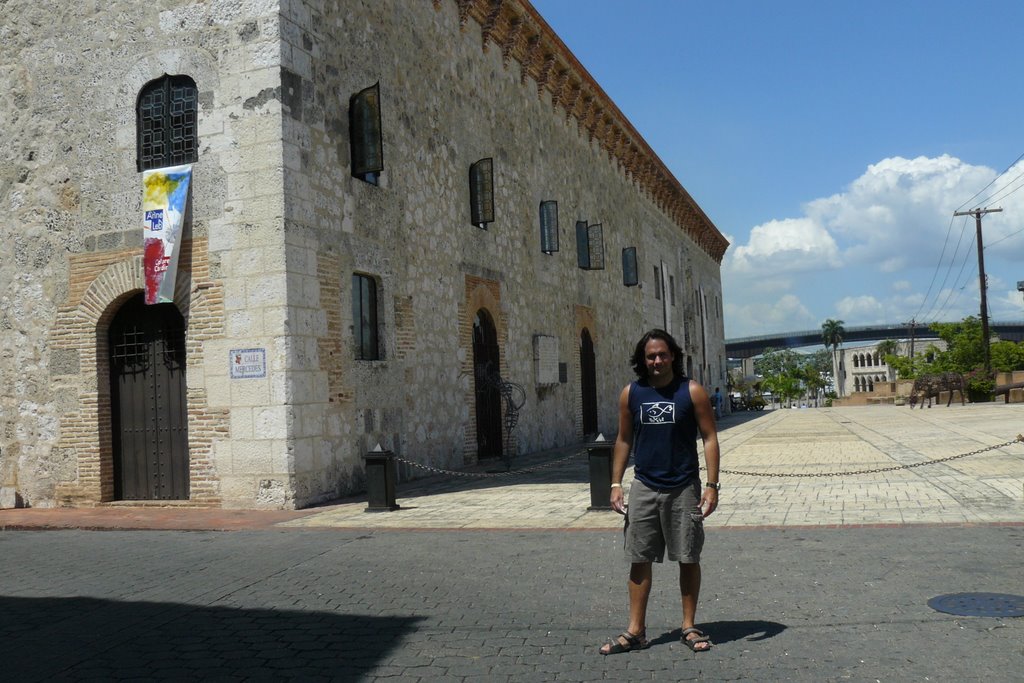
x=888, y=347
x=832, y=332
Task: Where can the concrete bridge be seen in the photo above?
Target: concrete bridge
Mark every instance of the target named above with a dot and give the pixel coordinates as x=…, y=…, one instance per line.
x=747, y=347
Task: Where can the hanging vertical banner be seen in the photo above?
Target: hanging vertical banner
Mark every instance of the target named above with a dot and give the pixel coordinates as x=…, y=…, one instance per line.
x=165, y=194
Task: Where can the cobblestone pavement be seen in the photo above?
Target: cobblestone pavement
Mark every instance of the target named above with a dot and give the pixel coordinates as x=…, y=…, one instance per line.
x=433, y=606
x=983, y=488
x=822, y=578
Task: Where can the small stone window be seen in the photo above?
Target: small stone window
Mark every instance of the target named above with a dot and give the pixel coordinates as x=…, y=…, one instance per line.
x=364, y=317
x=365, y=134
x=166, y=115
x=630, y=274
x=481, y=193
x=589, y=246
x=657, y=284
x=549, y=227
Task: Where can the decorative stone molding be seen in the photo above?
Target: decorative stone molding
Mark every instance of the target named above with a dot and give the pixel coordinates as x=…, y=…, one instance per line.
x=524, y=35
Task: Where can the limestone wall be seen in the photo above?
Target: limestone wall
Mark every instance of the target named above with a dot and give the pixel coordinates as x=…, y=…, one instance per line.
x=70, y=230
x=278, y=226
x=447, y=102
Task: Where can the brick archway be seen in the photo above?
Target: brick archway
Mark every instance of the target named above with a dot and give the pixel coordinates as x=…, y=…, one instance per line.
x=99, y=286
x=480, y=293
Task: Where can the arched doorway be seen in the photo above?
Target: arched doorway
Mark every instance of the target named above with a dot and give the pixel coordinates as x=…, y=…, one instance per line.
x=486, y=364
x=588, y=382
x=148, y=402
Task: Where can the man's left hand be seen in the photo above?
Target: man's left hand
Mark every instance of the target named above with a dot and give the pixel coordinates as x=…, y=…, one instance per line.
x=708, y=501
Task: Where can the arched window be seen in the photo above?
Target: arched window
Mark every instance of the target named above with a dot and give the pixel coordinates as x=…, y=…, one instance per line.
x=364, y=317
x=856, y=361
x=165, y=123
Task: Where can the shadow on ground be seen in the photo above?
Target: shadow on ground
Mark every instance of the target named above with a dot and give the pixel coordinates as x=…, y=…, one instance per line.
x=722, y=632
x=78, y=638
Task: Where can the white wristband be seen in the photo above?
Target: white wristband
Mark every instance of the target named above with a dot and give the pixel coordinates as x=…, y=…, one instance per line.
x=616, y=486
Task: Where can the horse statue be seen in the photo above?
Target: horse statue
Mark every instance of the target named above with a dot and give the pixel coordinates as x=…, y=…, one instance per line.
x=929, y=386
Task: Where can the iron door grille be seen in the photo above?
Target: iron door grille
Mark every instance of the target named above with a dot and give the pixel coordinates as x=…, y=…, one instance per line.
x=148, y=400
x=166, y=120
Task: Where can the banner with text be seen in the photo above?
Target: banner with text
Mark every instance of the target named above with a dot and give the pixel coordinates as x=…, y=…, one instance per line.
x=165, y=195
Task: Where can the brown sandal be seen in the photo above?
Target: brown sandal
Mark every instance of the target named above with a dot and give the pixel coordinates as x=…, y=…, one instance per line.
x=632, y=642
x=693, y=642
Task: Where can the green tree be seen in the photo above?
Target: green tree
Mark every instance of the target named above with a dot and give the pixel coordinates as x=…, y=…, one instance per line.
x=965, y=354
x=903, y=365
x=777, y=363
x=1007, y=356
x=888, y=347
x=888, y=350
x=832, y=333
x=812, y=377
x=965, y=346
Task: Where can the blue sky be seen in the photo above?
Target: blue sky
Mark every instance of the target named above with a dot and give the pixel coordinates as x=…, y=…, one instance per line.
x=831, y=142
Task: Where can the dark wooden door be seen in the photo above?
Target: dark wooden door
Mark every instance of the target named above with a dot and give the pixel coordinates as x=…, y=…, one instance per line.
x=486, y=364
x=588, y=383
x=148, y=402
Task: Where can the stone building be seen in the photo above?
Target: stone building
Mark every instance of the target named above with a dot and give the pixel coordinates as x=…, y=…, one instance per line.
x=863, y=368
x=398, y=209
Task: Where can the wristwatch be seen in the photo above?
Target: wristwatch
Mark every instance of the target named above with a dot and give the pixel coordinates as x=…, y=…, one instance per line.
x=714, y=485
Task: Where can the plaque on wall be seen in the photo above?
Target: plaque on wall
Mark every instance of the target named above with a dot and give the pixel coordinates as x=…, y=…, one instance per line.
x=248, y=363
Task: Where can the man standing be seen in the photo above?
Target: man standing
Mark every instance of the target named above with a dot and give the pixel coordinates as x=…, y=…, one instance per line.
x=660, y=416
x=717, y=398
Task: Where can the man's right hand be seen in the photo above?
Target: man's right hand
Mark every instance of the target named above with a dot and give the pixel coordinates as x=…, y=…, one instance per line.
x=618, y=501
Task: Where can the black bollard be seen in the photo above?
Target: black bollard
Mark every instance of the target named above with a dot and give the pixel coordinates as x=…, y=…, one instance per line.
x=599, y=453
x=380, y=481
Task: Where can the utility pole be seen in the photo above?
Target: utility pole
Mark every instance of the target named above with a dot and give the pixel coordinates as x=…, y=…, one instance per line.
x=978, y=213
x=913, y=330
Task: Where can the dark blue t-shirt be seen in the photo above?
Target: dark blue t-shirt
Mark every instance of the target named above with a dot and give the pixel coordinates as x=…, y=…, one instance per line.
x=664, y=434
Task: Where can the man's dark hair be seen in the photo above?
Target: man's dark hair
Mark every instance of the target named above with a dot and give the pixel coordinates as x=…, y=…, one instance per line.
x=639, y=361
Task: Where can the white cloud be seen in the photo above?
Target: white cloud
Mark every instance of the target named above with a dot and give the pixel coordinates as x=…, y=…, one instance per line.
x=897, y=214
x=871, y=253
x=787, y=245
x=750, y=318
x=861, y=308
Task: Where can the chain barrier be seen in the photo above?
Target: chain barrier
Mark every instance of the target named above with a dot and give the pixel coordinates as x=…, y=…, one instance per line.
x=740, y=473
x=486, y=475
x=875, y=470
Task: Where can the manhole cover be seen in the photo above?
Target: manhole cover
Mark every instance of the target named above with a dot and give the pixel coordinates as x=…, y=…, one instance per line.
x=979, y=604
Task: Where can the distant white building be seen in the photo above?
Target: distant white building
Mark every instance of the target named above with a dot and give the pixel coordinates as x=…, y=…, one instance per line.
x=857, y=369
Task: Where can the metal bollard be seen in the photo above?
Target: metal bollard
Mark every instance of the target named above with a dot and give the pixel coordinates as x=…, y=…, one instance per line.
x=599, y=453
x=380, y=481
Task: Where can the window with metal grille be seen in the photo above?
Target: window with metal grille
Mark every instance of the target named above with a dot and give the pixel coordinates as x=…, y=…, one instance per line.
x=630, y=274
x=365, y=135
x=589, y=246
x=549, y=226
x=481, y=193
x=166, y=123
x=364, y=317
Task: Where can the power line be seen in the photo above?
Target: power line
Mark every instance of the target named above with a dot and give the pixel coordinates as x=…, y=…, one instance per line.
x=993, y=197
x=952, y=262
x=991, y=182
x=1003, y=239
x=938, y=266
